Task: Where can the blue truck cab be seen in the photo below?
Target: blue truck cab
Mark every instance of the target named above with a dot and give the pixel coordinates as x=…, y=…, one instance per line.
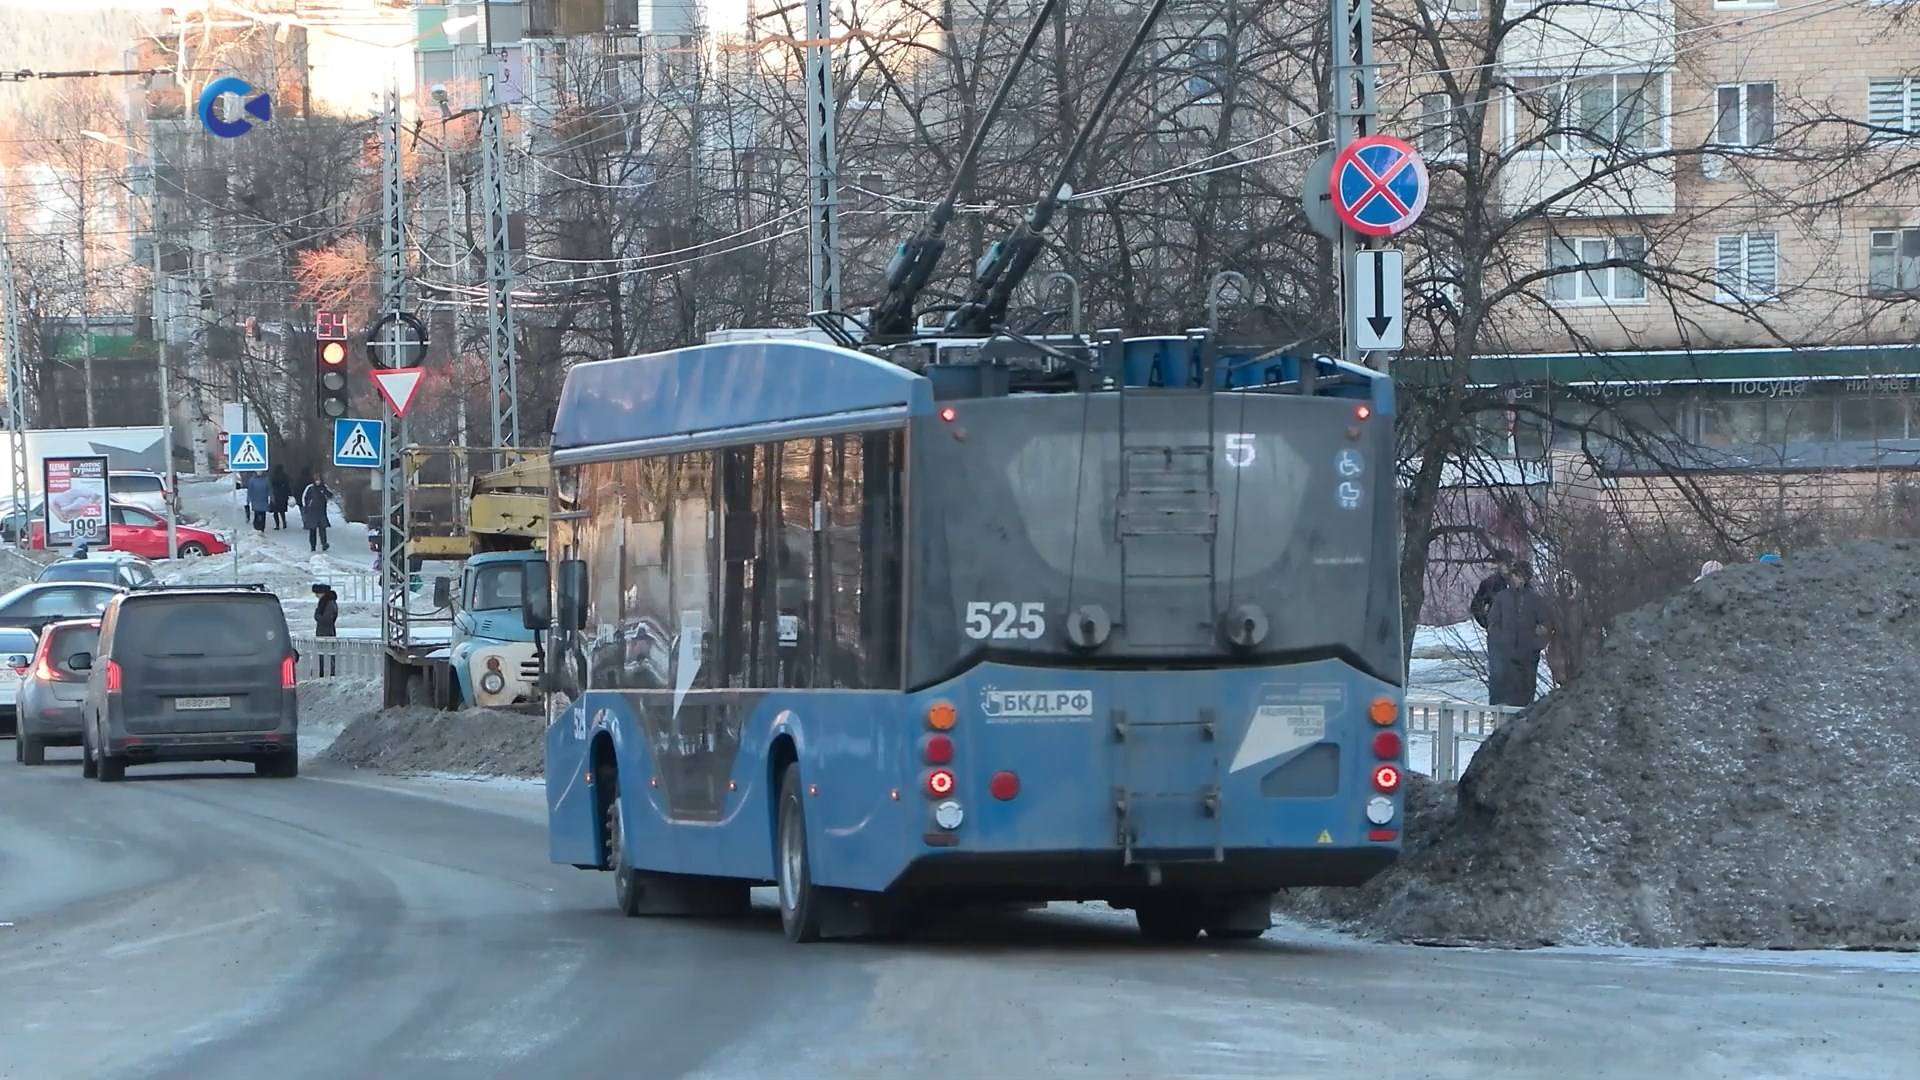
x=493, y=657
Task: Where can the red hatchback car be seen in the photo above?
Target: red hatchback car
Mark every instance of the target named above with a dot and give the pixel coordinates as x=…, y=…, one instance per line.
x=144, y=533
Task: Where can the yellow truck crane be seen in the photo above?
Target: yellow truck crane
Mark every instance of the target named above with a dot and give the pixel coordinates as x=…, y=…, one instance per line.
x=494, y=523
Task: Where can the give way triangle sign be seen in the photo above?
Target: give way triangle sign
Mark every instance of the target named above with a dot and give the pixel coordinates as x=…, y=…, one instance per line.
x=398, y=386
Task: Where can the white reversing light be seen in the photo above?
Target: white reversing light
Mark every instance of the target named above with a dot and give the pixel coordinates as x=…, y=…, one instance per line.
x=948, y=815
x=1379, y=809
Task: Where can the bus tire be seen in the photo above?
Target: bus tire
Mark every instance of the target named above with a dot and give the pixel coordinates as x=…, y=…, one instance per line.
x=627, y=888
x=800, y=901
x=1168, y=920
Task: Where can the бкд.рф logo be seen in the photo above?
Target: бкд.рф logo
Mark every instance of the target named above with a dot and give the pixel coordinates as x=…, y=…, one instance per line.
x=260, y=107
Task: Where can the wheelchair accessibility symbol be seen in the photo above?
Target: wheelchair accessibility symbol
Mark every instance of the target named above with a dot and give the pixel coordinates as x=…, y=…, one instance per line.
x=1349, y=464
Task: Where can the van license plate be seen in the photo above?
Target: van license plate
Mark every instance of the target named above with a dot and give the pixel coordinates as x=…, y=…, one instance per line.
x=203, y=703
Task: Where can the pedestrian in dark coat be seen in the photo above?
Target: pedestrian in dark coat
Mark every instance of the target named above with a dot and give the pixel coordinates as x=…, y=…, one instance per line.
x=281, y=494
x=1489, y=585
x=1518, y=626
x=326, y=623
x=313, y=513
x=259, y=497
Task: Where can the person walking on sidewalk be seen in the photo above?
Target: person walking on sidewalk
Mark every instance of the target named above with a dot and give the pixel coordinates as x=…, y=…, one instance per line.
x=281, y=495
x=313, y=513
x=326, y=622
x=259, y=497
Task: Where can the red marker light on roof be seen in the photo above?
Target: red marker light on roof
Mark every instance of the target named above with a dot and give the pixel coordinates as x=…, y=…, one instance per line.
x=1363, y=412
x=949, y=413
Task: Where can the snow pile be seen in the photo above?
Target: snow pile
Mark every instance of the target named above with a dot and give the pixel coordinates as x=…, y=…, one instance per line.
x=328, y=705
x=492, y=742
x=1734, y=768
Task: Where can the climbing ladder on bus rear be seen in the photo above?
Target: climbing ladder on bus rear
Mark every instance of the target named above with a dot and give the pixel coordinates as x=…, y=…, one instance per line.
x=1167, y=769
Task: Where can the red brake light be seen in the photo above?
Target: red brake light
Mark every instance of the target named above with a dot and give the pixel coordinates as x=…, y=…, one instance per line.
x=113, y=677
x=1003, y=785
x=44, y=671
x=1386, y=777
x=1386, y=744
x=286, y=672
x=938, y=749
x=949, y=413
x=1363, y=412
x=939, y=783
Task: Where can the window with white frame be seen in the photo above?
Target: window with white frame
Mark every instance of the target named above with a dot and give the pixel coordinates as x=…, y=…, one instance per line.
x=1206, y=70
x=1893, y=261
x=1593, y=114
x=1747, y=266
x=1454, y=9
x=1439, y=126
x=1893, y=106
x=1582, y=276
x=1743, y=5
x=1743, y=114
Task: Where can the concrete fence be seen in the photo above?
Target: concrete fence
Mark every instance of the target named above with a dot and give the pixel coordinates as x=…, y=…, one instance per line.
x=1442, y=735
x=359, y=658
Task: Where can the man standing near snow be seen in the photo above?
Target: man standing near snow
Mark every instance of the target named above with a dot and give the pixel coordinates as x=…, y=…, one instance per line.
x=313, y=513
x=1518, y=626
x=1491, y=584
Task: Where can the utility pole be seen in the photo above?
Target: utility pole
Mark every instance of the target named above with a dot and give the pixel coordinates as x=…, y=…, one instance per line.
x=393, y=507
x=86, y=294
x=502, y=352
x=162, y=326
x=16, y=372
x=823, y=163
x=1352, y=101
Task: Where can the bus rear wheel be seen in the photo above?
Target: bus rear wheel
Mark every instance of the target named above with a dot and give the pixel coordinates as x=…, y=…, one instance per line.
x=626, y=880
x=1172, y=920
x=799, y=901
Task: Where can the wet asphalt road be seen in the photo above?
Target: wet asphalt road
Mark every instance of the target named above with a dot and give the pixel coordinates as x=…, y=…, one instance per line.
x=197, y=922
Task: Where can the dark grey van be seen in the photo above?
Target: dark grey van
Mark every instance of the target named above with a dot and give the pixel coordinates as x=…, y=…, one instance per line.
x=191, y=674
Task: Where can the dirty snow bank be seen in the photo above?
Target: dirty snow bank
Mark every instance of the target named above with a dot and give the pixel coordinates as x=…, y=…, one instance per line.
x=492, y=742
x=327, y=706
x=1735, y=768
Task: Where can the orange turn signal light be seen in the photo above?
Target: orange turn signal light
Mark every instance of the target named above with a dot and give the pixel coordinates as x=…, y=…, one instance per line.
x=1384, y=710
x=941, y=717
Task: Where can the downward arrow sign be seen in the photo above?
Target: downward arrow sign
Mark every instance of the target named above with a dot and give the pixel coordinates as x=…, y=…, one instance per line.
x=1379, y=320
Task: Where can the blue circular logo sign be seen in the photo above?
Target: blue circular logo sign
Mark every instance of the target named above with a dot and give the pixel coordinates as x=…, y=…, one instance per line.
x=260, y=108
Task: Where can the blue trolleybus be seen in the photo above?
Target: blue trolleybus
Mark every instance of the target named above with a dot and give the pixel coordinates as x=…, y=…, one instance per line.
x=973, y=621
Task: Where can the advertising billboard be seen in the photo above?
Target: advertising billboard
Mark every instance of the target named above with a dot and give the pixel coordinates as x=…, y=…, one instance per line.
x=76, y=504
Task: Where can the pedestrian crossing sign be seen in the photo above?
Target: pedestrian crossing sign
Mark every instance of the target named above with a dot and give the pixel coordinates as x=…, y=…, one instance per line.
x=247, y=451
x=357, y=444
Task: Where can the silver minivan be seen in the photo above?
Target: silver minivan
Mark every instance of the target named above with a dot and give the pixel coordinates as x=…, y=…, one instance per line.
x=191, y=673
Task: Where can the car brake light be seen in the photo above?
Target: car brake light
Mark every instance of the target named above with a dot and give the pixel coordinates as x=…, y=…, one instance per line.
x=113, y=676
x=286, y=673
x=44, y=671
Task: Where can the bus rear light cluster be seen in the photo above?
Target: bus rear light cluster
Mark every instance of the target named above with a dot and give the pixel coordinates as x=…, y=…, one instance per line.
x=937, y=749
x=1386, y=777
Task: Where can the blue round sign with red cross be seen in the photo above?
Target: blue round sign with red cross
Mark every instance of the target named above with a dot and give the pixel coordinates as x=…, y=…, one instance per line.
x=1379, y=185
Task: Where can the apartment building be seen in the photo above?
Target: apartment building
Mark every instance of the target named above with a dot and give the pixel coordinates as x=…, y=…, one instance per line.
x=1745, y=271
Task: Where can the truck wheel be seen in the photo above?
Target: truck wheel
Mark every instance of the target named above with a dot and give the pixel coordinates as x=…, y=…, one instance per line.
x=32, y=751
x=799, y=900
x=626, y=882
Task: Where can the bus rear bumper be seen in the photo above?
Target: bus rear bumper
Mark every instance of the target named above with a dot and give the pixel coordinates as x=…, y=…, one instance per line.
x=1105, y=875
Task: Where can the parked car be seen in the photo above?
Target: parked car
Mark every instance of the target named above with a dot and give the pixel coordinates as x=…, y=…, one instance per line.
x=112, y=568
x=133, y=529
x=199, y=673
x=141, y=488
x=18, y=515
x=16, y=653
x=33, y=606
x=50, y=695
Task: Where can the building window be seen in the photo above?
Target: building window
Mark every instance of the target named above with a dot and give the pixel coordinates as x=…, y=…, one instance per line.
x=1744, y=115
x=1742, y=5
x=1746, y=266
x=1578, y=277
x=1893, y=106
x=1593, y=114
x=1893, y=261
x=1206, y=70
x=1454, y=9
x=1439, y=126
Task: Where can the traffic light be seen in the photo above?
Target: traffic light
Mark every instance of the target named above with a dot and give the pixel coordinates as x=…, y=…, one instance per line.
x=330, y=378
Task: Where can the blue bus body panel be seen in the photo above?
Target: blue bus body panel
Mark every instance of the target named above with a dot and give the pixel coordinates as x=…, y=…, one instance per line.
x=1284, y=753
x=719, y=387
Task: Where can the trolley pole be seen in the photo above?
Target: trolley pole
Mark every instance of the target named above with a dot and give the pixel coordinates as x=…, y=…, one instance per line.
x=502, y=352
x=1354, y=111
x=823, y=164
x=394, y=630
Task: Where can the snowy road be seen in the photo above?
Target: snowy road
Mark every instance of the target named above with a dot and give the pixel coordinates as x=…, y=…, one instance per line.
x=199, y=923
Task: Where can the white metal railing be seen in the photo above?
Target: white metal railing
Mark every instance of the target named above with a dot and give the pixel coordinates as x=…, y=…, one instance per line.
x=1442, y=735
x=361, y=658
x=353, y=586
